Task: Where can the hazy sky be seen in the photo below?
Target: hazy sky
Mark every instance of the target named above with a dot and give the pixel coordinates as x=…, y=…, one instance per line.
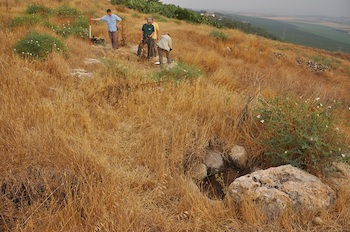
x=283, y=7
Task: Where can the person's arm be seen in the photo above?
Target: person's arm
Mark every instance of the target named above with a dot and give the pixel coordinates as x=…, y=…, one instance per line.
x=96, y=19
x=119, y=22
x=170, y=44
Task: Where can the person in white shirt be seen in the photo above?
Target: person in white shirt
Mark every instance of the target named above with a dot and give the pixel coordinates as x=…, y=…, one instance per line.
x=164, y=45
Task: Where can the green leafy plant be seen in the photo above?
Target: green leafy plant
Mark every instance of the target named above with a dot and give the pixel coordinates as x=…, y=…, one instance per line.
x=26, y=20
x=301, y=132
x=37, y=46
x=66, y=11
x=218, y=34
x=36, y=8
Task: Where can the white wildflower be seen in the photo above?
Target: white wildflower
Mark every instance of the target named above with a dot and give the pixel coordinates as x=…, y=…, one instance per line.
x=317, y=98
x=344, y=155
x=329, y=107
x=262, y=121
x=258, y=116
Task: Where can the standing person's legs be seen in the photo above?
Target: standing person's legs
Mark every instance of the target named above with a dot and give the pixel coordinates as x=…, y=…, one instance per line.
x=114, y=39
x=149, y=45
x=154, y=48
x=168, y=57
x=160, y=54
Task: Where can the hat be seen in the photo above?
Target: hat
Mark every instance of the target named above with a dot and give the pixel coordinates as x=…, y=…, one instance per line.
x=149, y=20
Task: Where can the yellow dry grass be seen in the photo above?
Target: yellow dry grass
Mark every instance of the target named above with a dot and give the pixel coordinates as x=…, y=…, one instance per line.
x=108, y=153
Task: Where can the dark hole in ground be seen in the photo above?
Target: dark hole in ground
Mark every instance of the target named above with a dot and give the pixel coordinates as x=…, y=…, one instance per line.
x=215, y=186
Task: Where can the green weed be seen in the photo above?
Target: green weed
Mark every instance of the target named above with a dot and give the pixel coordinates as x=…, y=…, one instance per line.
x=36, y=8
x=179, y=73
x=26, y=20
x=66, y=11
x=218, y=34
x=301, y=132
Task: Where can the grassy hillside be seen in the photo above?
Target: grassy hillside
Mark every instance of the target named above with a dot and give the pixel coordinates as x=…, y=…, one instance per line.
x=316, y=36
x=113, y=152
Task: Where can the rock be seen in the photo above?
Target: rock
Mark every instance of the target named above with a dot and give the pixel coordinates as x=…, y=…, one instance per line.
x=199, y=171
x=81, y=73
x=53, y=90
x=239, y=156
x=91, y=61
x=213, y=160
x=276, y=188
x=227, y=50
x=343, y=177
x=317, y=221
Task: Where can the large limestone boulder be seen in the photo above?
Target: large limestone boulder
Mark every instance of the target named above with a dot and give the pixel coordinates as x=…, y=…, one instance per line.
x=276, y=188
x=239, y=156
x=214, y=161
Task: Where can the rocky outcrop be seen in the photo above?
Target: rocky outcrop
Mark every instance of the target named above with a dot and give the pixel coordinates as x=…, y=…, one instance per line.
x=313, y=66
x=276, y=188
x=279, y=55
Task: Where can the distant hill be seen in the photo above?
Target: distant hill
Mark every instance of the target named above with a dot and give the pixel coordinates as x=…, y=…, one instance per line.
x=310, y=35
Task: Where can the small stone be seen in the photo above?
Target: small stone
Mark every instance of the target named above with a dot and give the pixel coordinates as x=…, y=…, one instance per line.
x=199, y=172
x=317, y=221
x=239, y=156
x=215, y=163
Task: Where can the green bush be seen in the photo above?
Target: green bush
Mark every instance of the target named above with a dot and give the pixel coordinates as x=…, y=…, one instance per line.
x=301, y=133
x=37, y=46
x=218, y=34
x=66, y=11
x=26, y=20
x=180, y=72
x=36, y=8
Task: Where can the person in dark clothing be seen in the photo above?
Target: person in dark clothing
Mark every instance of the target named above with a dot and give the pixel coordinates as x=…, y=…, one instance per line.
x=146, y=37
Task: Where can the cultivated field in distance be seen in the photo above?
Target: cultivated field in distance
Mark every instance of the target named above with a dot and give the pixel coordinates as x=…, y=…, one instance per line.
x=305, y=32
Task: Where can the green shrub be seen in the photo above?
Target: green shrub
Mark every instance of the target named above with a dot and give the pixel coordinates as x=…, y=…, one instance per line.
x=36, y=8
x=218, y=34
x=66, y=11
x=26, y=20
x=301, y=133
x=37, y=46
x=180, y=72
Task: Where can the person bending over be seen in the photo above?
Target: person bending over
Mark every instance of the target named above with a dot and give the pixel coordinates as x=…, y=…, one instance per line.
x=164, y=45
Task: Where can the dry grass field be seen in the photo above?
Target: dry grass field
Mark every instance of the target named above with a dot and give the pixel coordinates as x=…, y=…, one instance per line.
x=110, y=153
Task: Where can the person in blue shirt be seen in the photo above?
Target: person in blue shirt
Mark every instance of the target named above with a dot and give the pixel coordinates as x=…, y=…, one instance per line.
x=113, y=26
